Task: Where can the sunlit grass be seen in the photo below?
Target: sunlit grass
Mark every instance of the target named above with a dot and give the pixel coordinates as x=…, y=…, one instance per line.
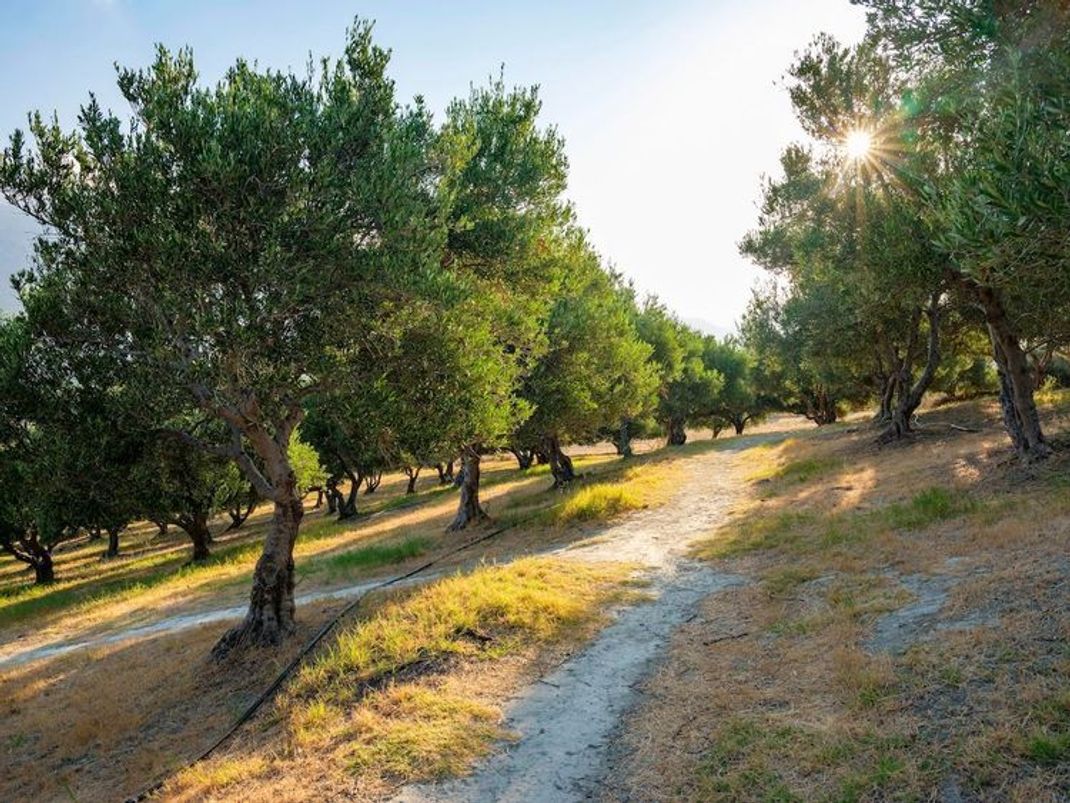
x=377, y=555
x=384, y=700
x=489, y=612
x=807, y=531
x=596, y=502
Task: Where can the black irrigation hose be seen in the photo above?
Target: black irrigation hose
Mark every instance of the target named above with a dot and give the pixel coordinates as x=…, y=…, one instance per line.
x=269, y=692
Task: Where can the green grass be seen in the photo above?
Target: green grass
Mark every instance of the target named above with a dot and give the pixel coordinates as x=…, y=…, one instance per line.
x=377, y=555
x=754, y=760
x=928, y=507
x=1050, y=743
x=491, y=612
x=379, y=699
x=807, y=469
x=758, y=533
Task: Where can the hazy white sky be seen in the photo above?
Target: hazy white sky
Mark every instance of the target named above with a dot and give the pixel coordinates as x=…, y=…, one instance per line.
x=670, y=109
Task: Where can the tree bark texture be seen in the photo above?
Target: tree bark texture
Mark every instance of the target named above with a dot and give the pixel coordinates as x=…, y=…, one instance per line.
x=524, y=457
x=1020, y=416
x=469, y=511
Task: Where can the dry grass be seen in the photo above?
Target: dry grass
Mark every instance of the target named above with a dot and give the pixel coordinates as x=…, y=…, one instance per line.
x=392, y=699
x=776, y=691
x=112, y=741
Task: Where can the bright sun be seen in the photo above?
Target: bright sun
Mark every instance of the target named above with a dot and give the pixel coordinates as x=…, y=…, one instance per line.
x=858, y=143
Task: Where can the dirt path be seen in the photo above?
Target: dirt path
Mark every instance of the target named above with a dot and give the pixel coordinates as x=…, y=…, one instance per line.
x=567, y=720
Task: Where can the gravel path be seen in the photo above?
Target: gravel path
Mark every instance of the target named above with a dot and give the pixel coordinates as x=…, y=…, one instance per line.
x=567, y=720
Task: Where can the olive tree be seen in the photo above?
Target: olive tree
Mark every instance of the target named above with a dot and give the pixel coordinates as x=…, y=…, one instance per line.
x=230, y=247
x=595, y=372
x=501, y=182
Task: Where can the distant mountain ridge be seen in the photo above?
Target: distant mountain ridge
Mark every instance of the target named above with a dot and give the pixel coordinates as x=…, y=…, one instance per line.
x=709, y=327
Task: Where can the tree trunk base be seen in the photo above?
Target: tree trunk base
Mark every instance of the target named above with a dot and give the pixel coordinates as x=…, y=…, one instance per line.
x=469, y=511
x=467, y=517
x=270, y=617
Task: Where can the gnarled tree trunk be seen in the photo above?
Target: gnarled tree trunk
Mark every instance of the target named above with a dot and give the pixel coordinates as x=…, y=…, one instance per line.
x=821, y=408
x=371, y=482
x=739, y=422
x=413, y=473
x=445, y=472
x=334, y=496
x=524, y=457
x=239, y=512
x=469, y=511
x=270, y=617
x=30, y=551
x=910, y=396
x=1020, y=416
x=677, y=432
x=347, y=506
x=622, y=440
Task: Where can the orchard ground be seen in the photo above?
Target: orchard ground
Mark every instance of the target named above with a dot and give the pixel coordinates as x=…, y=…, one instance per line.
x=899, y=627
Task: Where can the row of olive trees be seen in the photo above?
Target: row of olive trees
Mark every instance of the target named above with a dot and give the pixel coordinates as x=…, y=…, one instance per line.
x=280, y=251
x=940, y=250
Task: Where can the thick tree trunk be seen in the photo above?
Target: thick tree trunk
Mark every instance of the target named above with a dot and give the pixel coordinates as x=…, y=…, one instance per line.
x=739, y=423
x=1020, y=415
x=887, y=399
x=560, y=463
x=371, y=482
x=469, y=511
x=524, y=457
x=28, y=550
x=677, y=433
x=622, y=441
x=413, y=473
x=113, y=542
x=334, y=496
x=270, y=617
x=43, y=570
x=196, y=527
